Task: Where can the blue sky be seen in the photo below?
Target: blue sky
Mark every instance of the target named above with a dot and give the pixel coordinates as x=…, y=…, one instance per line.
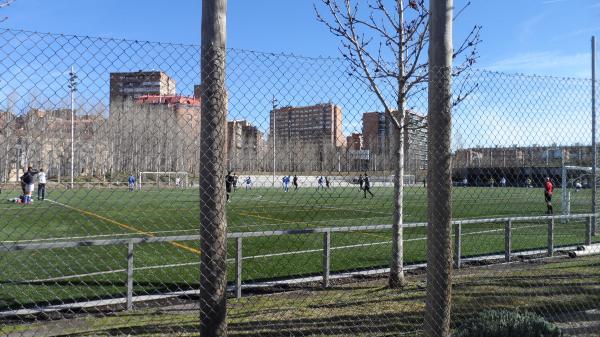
x=549, y=37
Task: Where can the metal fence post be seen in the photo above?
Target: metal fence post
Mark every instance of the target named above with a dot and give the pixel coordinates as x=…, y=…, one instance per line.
x=457, y=245
x=238, y=268
x=551, y=237
x=588, y=230
x=326, y=257
x=130, y=275
x=507, y=240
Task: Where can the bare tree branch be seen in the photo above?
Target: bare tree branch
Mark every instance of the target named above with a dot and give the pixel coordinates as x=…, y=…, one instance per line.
x=4, y=4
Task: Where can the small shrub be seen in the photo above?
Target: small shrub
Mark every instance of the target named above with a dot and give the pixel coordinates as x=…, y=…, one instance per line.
x=505, y=323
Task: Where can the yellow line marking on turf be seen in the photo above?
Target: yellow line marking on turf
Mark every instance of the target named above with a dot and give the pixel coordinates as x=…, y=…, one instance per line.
x=128, y=227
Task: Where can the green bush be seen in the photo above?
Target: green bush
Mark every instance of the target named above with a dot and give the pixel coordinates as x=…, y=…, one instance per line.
x=505, y=323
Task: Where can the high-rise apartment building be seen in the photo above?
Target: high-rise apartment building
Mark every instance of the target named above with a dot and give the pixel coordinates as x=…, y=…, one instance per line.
x=319, y=124
x=376, y=131
x=141, y=83
x=245, y=145
x=378, y=138
x=354, y=141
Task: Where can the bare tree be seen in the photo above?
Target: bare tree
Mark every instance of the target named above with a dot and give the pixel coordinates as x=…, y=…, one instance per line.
x=439, y=240
x=386, y=48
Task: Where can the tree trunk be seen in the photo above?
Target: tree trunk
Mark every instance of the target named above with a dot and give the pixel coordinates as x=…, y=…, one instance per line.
x=396, y=278
x=439, y=243
x=213, y=229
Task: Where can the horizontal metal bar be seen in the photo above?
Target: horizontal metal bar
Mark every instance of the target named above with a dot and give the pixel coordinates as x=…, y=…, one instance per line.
x=521, y=219
x=88, y=243
x=308, y=231
x=10, y=247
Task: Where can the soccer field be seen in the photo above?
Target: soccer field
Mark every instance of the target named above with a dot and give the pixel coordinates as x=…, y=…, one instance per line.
x=39, y=277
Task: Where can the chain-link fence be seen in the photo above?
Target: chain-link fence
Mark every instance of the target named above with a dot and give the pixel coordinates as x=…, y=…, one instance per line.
x=106, y=239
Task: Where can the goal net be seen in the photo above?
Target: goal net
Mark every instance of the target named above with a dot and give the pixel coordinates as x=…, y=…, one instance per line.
x=167, y=179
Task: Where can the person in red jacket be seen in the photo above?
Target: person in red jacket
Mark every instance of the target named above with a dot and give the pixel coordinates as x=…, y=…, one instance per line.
x=548, y=187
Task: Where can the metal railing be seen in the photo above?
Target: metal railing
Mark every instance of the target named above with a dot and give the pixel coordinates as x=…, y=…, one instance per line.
x=326, y=251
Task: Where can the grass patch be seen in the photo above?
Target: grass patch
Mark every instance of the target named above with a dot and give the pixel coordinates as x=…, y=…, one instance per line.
x=549, y=288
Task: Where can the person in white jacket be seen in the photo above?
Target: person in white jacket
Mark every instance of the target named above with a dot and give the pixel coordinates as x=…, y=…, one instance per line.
x=41, y=192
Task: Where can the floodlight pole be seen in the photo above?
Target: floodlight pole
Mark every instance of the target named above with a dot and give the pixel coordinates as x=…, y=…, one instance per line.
x=72, y=87
x=594, y=150
x=274, y=105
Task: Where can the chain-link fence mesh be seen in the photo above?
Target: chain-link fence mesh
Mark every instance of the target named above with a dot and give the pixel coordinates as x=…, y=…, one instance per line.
x=113, y=130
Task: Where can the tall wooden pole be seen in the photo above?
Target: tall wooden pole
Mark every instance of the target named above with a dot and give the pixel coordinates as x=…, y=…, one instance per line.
x=439, y=239
x=594, y=148
x=213, y=222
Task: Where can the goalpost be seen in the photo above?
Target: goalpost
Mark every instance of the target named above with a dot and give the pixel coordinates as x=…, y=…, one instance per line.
x=571, y=175
x=173, y=179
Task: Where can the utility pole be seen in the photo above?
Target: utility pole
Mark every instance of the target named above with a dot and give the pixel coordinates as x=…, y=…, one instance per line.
x=439, y=189
x=274, y=106
x=73, y=88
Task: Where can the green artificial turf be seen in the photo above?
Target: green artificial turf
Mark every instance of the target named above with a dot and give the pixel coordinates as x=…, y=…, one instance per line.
x=54, y=276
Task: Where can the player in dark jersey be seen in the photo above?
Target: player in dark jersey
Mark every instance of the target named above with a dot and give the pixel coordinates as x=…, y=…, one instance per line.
x=548, y=188
x=367, y=186
x=229, y=179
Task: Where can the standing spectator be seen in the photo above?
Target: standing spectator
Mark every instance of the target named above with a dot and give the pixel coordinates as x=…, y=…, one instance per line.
x=41, y=192
x=131, y=181
x=465, y=182
x=295, y=182
x=548, y=188
x=327, y=183
x=228, y=184
x=177, y=181
x=503, y=182
x=367, y=186
x=248, y=183
x=320, y=181
x=361, y=181
x=528, y=182
x=578, y=186
x=27, y=182
x=235, y=181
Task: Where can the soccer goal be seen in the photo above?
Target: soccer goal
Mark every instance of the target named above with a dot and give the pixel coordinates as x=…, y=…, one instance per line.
x=167, y=179
x=573, y=180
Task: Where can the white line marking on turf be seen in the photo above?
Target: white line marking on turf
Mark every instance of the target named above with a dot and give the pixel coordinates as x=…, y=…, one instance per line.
x=67, y=238
x=317, y=207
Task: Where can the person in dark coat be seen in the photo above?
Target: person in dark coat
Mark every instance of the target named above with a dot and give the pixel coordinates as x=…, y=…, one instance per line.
x=367, y=186
x=229, y=180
